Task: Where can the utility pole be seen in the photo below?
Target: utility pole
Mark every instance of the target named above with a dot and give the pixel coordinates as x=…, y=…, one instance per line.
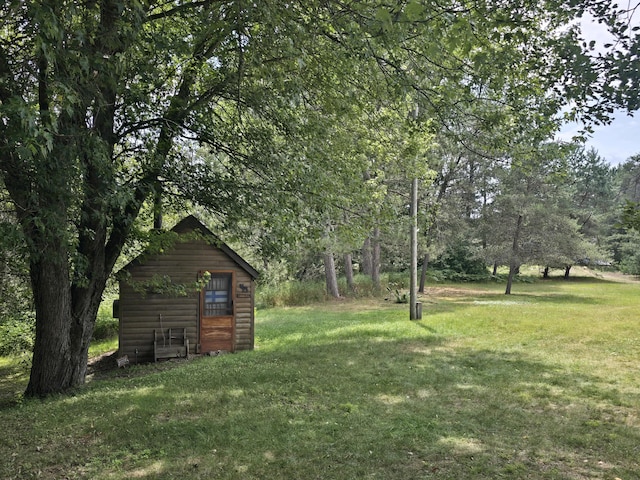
x=415, y=312
x=415, y=309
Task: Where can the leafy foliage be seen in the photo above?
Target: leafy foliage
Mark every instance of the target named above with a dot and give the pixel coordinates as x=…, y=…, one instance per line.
x=460, y=258
x=106, y=326
x=16, y=337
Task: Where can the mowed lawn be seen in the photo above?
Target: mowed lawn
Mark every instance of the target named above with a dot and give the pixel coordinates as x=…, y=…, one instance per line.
x=541, y=384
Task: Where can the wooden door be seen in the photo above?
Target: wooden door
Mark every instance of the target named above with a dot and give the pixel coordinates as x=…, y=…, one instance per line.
x=217, y=318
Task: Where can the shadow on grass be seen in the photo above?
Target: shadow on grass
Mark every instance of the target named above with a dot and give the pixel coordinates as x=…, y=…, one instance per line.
x=350, y=399
x=445, y=298
x=560, y=298
x=14, y=375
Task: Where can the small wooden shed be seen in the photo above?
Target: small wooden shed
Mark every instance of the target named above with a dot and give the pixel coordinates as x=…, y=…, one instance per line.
x=215, y=315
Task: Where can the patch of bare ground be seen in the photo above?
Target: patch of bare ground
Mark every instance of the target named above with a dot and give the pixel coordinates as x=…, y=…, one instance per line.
x=106, y=365
x=102, y=363
x=619, y=277
x=453, y=292
x=609, y=276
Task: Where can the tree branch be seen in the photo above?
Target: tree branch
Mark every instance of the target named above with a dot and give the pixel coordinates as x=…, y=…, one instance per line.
x=178, y=9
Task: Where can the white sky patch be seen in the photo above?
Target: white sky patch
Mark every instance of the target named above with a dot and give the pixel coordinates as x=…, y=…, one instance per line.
x=615, y=142
x=620, y=139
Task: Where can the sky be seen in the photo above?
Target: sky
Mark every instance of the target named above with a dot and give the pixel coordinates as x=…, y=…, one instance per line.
x=620, y=139
x=615, y=142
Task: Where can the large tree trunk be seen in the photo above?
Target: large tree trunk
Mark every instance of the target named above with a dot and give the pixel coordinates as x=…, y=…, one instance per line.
x=54, y=366
x=330, y=275
x=567, y=269
x=60, y=354
x=66, y=308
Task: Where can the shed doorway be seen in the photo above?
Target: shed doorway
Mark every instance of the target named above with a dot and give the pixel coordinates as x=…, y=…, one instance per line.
x=217, y=313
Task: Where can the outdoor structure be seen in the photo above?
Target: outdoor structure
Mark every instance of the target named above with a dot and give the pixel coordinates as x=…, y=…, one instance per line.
x=194, y=297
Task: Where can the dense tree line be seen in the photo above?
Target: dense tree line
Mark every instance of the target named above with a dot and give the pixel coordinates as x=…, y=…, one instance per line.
x=570, y=207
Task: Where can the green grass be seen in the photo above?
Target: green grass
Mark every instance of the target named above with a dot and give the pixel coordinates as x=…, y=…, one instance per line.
x=99, y=347
x=542, y=384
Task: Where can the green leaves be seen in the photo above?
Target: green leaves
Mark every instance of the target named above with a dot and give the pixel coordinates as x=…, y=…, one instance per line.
x=630, y=217
x=383, y=16
x=414, y=11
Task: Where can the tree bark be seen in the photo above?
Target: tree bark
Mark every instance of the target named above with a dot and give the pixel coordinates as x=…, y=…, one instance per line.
x=330, y=275
x=545, y=272
x=54, y=366
x=567, y=269
x=375, y=259
x=157, y=207
x=348, y=272
x=423, y=272
x=366, y=266
x=66, y=308
x=513, y=263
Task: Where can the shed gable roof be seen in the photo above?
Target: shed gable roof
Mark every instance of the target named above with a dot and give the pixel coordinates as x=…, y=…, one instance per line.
x=192, y=224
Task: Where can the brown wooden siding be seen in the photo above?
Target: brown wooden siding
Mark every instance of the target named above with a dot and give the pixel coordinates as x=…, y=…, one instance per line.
x=140, y=315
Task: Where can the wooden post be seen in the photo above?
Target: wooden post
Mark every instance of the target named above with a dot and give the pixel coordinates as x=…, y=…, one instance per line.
x=413, y=287
x=415, y=311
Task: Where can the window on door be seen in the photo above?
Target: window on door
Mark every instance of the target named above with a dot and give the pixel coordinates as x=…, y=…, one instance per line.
x=218, y=299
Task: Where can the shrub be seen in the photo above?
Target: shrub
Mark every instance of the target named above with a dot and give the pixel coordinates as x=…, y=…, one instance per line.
x=453, y=276
x=297, y=292
x=400, y=297
x=363, y=287
x=16, y=337
x=290, y=293
x=398, y=280
x=630, y=264
x=460, y=259
x=106, y=326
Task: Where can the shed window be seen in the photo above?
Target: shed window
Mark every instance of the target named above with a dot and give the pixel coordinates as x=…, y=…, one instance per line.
x=217, y=295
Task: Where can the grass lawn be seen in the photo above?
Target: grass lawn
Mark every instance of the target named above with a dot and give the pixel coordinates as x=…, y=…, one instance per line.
x=542, y=384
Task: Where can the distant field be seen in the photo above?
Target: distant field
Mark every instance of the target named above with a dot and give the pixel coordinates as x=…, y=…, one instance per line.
x=541, y=384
